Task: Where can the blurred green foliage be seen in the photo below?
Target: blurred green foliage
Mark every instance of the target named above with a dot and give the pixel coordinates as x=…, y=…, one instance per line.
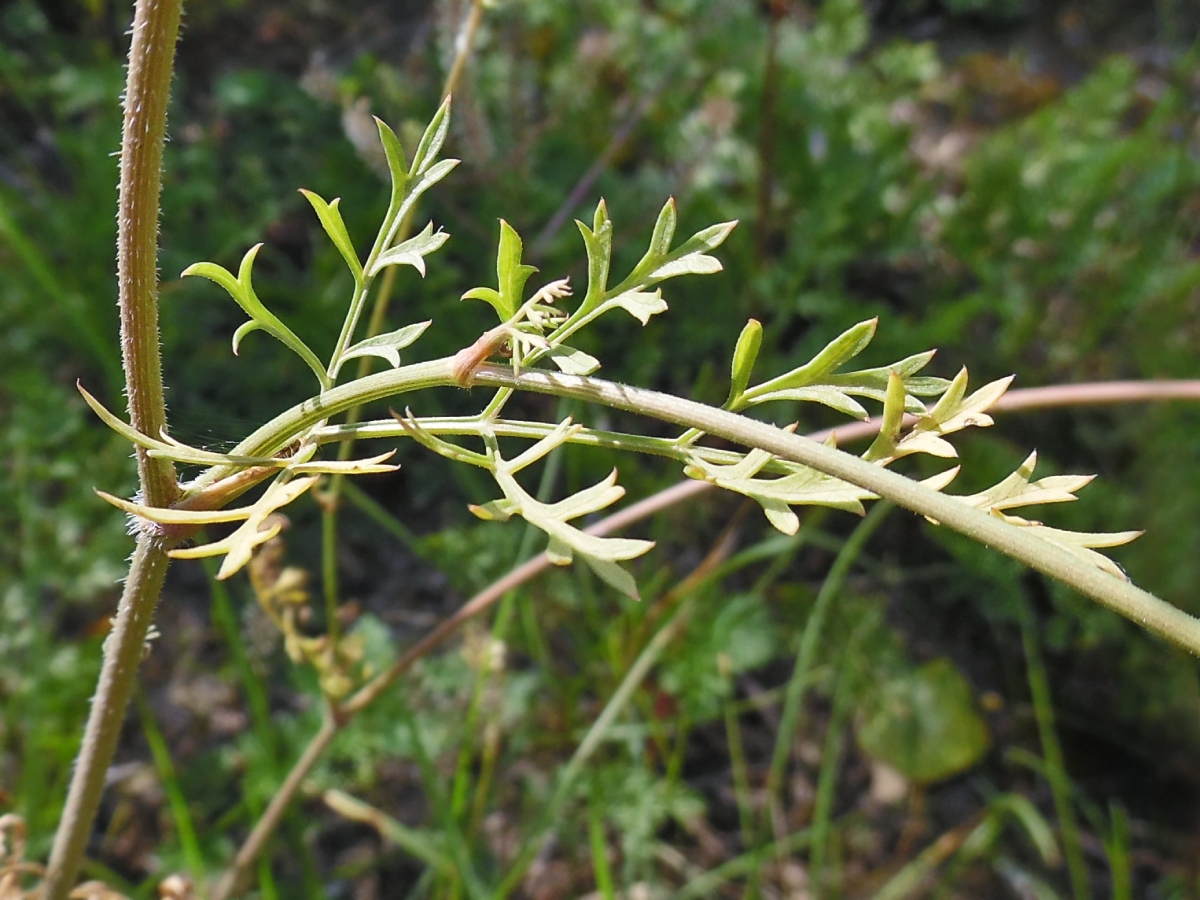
x=1019, y=220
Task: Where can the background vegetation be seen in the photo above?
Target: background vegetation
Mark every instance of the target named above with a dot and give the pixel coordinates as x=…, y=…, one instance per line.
x=1016, y=183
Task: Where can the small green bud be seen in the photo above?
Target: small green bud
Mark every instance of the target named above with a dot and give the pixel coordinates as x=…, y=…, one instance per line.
x=744, y=357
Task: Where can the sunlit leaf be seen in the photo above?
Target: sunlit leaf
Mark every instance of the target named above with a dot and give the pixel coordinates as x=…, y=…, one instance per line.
x=511, y=276
x=239, y=546
x=241, y=289
x=572, y=361
x=640, y=304
x=331, y=221
x=433, y=138
x=745, y=354
x=597, y=241
x=388, y=346
x=411, y=252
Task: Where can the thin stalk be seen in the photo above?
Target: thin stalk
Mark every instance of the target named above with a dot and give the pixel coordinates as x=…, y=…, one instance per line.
x=600, y=868
x=740, y=770
x=147, y=90
x=1056, y=771
x=463, y=42
x=1023, y=399
x=843, y=697
x=233, y=881
x=809, y=640
x=185, y=829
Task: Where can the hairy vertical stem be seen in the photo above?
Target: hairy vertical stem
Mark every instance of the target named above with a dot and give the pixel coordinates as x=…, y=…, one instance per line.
x=147, y=90
x=151, y=58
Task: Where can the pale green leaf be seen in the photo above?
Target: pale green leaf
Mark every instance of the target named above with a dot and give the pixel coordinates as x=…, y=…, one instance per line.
x=572, y=361
x=692, y=264
x=429, y=178
x=242, y=291
x=664, y=231
x=802, y=487
x=397, y=164
x=833, y=356
x=488, y=295
x=244, y=329
x=433, y=138
x=1080, y=544
x=745, y=354
x=443, y=448
x=388, y=346
x=371, y=466
x=598, y=242
x=335, y=227
x=239, y=546
x=169, y=516
x=411, y=252
x=511, y=274
x=640, y=304
x=589, y=500
x=1017, y=490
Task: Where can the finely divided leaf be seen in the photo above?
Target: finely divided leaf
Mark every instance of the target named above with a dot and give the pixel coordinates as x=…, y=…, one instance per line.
x=511, y=276
x=690, y=258
x=331, y=221
x=388, y=346
x=432, y=139
x=640, y=304
x=239, y=546
x=1017, y=491
x=818, y=380
x=241, y=290
x=803, y=487
x=411, y=252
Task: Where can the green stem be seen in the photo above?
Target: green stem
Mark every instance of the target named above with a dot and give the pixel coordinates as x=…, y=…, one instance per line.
x=151, y=58
x=1140, y=606
x=433, y=374
x=810, y=639
x=1056, y=770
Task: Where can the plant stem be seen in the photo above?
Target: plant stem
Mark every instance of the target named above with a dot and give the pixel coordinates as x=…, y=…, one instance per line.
x=122, y=653
x=1056, y=770
x=1140, y=606
x=233, y=880
x=809, y=641
x=1031, y=398
x=151, y=58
